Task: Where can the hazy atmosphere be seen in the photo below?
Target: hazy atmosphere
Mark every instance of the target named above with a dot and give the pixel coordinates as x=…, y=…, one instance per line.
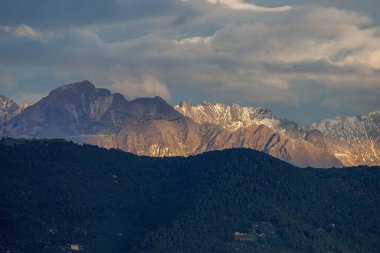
x=302, y=59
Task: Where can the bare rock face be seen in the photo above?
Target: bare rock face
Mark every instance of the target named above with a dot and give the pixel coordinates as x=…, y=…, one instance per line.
x=263, y=138
x=353, y=140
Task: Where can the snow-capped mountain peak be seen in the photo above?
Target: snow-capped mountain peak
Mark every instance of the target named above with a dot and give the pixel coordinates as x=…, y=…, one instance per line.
x=8, y=107
x=354, y=140
x=231, y=117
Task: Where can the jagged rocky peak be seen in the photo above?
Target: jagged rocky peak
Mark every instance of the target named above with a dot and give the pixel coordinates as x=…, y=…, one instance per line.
x=79, y=87
x=228, y=116
x=183, y=105
x=354, y=140
x=119, y=100
x=154, y=108
x=344, y=126
x=375, y=116
x=150, y=101
x=72, y=109
x=8, y=107
x=7, y=104
x=81, y=99
x=233, y=117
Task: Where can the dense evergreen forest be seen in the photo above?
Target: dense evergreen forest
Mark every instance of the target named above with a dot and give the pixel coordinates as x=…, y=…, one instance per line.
x=56, y=194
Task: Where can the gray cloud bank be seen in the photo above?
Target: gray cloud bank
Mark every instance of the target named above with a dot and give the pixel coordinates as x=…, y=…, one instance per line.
x=304, y=61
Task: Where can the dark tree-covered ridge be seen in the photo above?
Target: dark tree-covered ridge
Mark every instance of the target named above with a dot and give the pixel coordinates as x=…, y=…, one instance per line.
x=56, y=193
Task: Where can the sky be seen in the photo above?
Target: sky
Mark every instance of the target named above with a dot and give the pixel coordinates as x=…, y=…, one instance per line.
x=304, y=60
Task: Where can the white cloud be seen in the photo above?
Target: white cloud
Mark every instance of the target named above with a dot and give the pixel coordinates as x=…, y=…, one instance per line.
x=27, y=31
x=23, y=31
x=365, y=57
x=148, y=86
x=29, y=97
x=5, y=28
x=241, y=5
x=194, y=40
x=318, y=34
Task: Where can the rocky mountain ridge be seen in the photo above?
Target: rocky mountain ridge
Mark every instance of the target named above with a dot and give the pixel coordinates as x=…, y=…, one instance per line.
x=353, y=140
x=150, y=126
x=8, y=107
x=229, y=117
x=233, y=117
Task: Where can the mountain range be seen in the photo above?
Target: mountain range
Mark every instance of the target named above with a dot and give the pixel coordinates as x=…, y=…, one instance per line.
x=150, y=126
x=353, y=140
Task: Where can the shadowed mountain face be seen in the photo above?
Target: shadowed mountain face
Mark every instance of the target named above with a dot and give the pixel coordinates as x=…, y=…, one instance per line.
x=72, y=110
x=150, y=126
x=55, y=193
x=156, y=129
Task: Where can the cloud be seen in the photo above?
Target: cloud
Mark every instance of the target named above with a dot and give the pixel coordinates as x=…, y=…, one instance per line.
x=29, y=97
x=23, y=31
x=241, y=5
x=5, y=28
x=148, y=86
x=27, y=31
x=193, y=40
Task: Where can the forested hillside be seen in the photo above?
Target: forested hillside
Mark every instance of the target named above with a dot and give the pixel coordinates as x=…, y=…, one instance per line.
x=55, y=194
